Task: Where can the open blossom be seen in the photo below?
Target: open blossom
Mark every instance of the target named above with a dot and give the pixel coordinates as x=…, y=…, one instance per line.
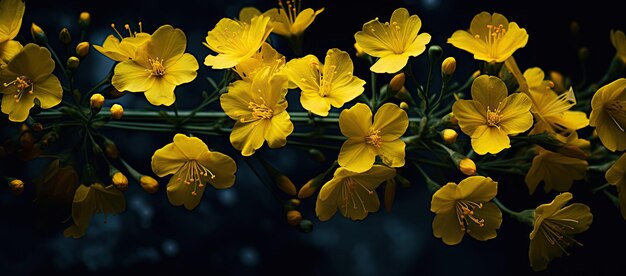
x=554, y=229
x=616, y=175
x=260, y=110
x=325, y=84
x=354, y=194
x=490, y=38
x=11, y=13
x=393, y=42
x=608, y=114
x=288, y=20
x=193, y=165
x=366, y=140
x=124, y=48
x=235, y=41
x=466, y=207
x=28, y=76
x=491, y=116
x=158, y=67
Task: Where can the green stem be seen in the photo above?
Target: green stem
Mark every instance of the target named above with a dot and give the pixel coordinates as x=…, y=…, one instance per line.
x=599, y=188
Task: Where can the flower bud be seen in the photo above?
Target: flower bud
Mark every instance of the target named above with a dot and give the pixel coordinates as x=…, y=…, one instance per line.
x=72, y=63
x=96, y=101
x=149, y=184
x=448, y=66
x=435, y=52
x=117, y=111
x=317, y=155
x=64, y=36
x=84, y=19
x=82, y=49
x=359, y=50
x=449, y=135
x=120, y=181
x=294, y=217
x=17, y=186
x=38, y=34
x=285, y=185
x=306, y=226
x=403, y=95
x=467, y=167
x=583, y=54
x=310, y=187
x=110, y=149
x=404, y=106
x=294, y=202
x=397, y=82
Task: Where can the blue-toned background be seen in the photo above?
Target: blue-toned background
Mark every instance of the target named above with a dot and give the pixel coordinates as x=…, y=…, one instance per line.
x=242, y=230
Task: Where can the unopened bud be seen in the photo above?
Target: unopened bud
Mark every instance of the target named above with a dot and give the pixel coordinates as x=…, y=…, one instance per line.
x=435, y=52
x=317, y=155
x=82, y=49
x=306, y=226
x=359, y=50
x=404, y=106
x=38, y=34
x=149, y=184
x=448, y=66
x=117, y=111
x=449, y=135
x=397, y=82
x=110, y=149
x=294, y=217
x=96, y=101
x=73, y=63
x=64, y=36
x=285, y=185
x=16, y=186
x=403, y=95
x=310, y=187
x=583, y=54
x=467, y=166
x=84, y=19
x=120, y=181
x=294, y=202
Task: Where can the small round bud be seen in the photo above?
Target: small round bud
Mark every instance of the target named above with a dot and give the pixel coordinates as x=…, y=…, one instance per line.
x=82, y=49
x=467, y=166
x=435, y=52
x=117, y=111
x=317, y=155
x=38, y=34
x=397, y=82
x=449, y=135
x=295, y=202
x=96, y=101
x=64, y=36
x=73, y=63
x=84, y=19
x=149, y=184
x=306, y=226
x=359, y=50
x=448, y=66
x=120, y=181
x=583, y=53
x=404, y=106
x=285, y=185
x=16, y=186
x=294, y=217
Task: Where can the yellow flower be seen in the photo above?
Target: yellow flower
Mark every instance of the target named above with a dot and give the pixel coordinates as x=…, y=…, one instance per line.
x=89, y=201
x=554, y=228
x=260, y=110
x=367, y=140
x=323, y=85
x=492, y=115
x=392, y=42
x=288, y=20
x=466, y=208
x=490, y=38
x=354, y=194
x=192, y=165
x=160, y=65
x=557, y=171
x=11, y=12
x=616, y=176
x=265, y=57
x=551, y=110
x=28, y=76
x=618, y=39
x=126, y=48
x=608, y=114
x=235, y=41
x=247, y=13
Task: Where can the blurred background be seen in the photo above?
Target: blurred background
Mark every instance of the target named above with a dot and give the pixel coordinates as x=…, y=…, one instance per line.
x=242, y=230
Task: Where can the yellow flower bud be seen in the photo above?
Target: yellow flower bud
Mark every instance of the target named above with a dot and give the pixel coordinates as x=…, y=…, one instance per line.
x=120, y=181
x=317, y=155
x=448, y=66
x=110, y=149
x=449, y=135
x=397, y=82
x=82, y=49
x=96, y=101
x=308, y=189
x=404, y=106
x=403, y=95
x=73, y=62
x=149, y=184
x=84, y=19
x=285, y=185
x=467, y=166
x=17, y=186
x=295, y=202
x=64, y=36
x=359, y=50
x=294, y=217
x=38, y=34
x=117, y=111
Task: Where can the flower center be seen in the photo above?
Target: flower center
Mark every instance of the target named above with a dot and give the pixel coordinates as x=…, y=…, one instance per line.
x=260, y=111
x=350, y=196
x=615, y=109
x=395, y=41
x=290, y=8
x=465, y=213
x=554, y=231
x=21, y=83
x=195, y=174
x=326, y=79
x=157, y=67
x=495, y=33
x=494, y=116
x=374, y=138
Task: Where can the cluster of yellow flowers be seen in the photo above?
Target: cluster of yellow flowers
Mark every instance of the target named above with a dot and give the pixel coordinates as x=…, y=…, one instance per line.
x=527, y=120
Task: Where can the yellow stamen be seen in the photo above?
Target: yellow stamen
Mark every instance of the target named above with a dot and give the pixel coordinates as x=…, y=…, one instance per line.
x=157, y=67
x=493, y=38
x=130, y=32
x=195, y=173
x=615, y=109
x=349, y=194
x=116, y=31
x=21, y=83
x=493, y=116
x=374, y=138
x=465, y=214
x=554, y=231
x=259, y=111
x=140, y=27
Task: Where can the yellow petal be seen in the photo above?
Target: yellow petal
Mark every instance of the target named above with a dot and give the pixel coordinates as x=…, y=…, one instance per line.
x=557, y=171
x=358, y=202
x=111, y=49
x=390, y=63
x=490, y=91
x=374, y=38
x=304, y=73
x=247, y=13
x=18, y=112
x=326, y=204
x=356, y=155
x=391, y=120
x=444, y=199
x=167, y=43
x=180, y=193
x=130, y=76
x=48, y=91
x=418, y=45
x=303, y=20
x=190, y=147
x=535, y=78
x=446, y=226
x=492, y=217
x=576, y=218
x=516, y=116
x=279, y=127
x=392, y=152
x=375, y=176
x=466, y=41
x=616, y=172
x=222, y=166
x=478, y=188
x=33, y=61
x=248, y=137
x=471, y=114
x=8, y=50
x=479, y=23
x=168, y=160
x=11, y=13
x=514, y=39
x=161, y=92
x=235, y=102
x=182, y=71
x=312, y=101
x=356, y=121
x=489, y=140
x=279, y=22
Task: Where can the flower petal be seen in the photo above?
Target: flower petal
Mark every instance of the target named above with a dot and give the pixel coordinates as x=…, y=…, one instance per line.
x=471, y=114
x=326, y=204
x=444, y=199
x=466, y=41
x=356, y=121
x=392, y=152
x=488, y=139
x=490, y=91
x=180, y=193
x=161, y=92
x=11, y=12
x=513, y=39
x=248, y=137
x=446, y=226
x=478, y=189
x=355, y=155
x=390, y=63
x=312, y=101
x=303, y=20
x=130, y=76
x=18, y=112
x=182, y=71
x=279, y=127
x=222, y=166
x=235, y=102
x=49, y=92
x=391, y=120
x=304, y=72
x=8, y=50
x=33, y=61
x=516, y=116
x=167, y=43
x=375, y=176
x=492, y=217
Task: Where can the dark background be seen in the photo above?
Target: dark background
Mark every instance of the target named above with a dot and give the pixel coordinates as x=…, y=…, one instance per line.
x=242, y=230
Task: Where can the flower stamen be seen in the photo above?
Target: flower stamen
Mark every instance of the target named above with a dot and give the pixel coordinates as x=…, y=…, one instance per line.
x=21, y=83
x=494, y=116
x=196, y=174
x=157, y=67
x=374, y=138
x=465, y=214
x=259, y=111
